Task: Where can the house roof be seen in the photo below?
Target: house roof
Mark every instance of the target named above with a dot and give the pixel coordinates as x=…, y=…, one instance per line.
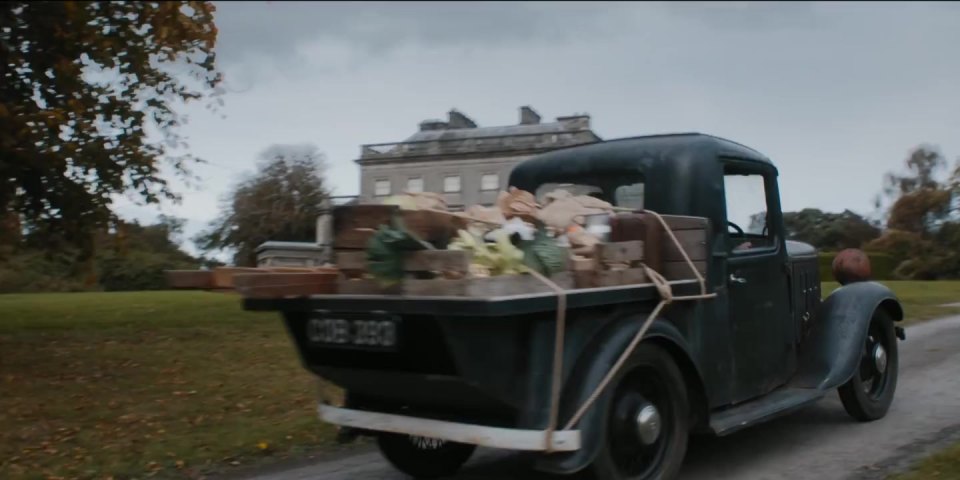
x=489, y=132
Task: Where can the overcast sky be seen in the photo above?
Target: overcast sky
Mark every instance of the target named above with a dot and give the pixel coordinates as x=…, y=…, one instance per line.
x=835, y=93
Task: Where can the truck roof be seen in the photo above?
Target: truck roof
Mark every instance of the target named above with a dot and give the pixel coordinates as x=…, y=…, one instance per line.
x=725, y=147
x=663, y=143
x=670, y=157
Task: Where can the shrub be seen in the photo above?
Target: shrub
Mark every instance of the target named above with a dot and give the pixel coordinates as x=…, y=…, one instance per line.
x=138, y=270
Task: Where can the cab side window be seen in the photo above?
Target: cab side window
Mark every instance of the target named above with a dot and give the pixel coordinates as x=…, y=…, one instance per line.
x=746, y=199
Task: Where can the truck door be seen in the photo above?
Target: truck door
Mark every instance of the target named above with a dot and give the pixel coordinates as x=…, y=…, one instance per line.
x=756, y=280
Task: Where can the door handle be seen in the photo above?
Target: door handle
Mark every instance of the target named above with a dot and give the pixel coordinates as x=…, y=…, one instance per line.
x=736, y=279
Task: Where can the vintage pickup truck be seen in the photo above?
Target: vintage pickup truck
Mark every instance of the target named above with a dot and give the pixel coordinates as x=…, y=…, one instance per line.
x=432, y=377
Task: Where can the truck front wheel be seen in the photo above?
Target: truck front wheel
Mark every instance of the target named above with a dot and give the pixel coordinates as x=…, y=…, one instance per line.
x=647, y=424
x=422, y=457
x=869, y=393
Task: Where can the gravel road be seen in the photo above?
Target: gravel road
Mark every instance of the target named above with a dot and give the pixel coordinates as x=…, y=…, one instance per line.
x=819, y=442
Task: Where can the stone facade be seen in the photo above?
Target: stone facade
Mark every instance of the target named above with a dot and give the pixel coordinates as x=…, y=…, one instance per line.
x=468, y=164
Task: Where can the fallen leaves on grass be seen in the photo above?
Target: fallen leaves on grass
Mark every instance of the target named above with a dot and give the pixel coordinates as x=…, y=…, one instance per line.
x=94, y=402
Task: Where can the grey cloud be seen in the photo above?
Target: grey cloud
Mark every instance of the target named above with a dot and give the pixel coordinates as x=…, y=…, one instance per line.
x=751, y=16
x=259, y=30
x=836, y=93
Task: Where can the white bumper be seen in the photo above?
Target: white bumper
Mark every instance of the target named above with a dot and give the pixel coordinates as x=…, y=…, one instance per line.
x=496, y=437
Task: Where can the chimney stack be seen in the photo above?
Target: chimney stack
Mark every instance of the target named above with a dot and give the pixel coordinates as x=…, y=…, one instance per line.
x=456, y=119
x=528, y=116
x=428, y=125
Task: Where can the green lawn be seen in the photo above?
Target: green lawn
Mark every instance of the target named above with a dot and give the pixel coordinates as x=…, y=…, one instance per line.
x=921, y=300
x=943, y=465
x=147, y=383
x=175, y=384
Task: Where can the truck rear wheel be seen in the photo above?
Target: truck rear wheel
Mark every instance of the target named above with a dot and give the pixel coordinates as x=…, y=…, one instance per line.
x=648, y=420
x=869, y=393
x=422, y=457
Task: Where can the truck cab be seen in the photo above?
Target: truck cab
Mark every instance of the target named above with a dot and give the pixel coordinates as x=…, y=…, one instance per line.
x=767, y=287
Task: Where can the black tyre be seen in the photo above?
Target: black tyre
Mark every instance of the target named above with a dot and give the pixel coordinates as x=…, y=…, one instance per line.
x=869, y=393
x=649, y=390
x=422, y=457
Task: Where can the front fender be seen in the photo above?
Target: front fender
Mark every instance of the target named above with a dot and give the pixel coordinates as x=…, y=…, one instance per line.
x=592, y=365
x=829, y=357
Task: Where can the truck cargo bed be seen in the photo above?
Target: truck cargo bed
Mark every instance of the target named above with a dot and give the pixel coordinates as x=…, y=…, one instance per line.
x=469, y=306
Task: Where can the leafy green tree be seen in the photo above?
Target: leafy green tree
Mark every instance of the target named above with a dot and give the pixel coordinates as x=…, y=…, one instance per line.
x=280, y=202
x=829, y=231
x=83, y=85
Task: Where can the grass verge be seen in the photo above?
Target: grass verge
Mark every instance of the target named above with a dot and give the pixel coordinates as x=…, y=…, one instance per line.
x=921, y=300
x=148, y=384
x=942, y=465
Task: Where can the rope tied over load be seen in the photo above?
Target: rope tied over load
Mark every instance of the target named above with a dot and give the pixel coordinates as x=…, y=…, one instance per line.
x=664, y=289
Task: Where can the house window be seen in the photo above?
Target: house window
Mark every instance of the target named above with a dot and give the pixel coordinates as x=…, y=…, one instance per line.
x=451, y=184
x=415, y=185
x=381, y=188
x=489, y=181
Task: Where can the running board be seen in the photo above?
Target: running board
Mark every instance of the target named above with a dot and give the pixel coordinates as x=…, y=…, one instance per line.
x=496, y=437
x=772, y=405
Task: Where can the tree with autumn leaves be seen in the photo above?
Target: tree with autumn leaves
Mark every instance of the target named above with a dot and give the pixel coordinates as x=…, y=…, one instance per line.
x=88, y=108
x=922, y=226
x=919, y=228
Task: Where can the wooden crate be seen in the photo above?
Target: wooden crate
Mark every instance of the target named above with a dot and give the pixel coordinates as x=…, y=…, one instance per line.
x=681, y=271
x=354, y=263
x=611, y=254
x=223, y=276
x=193, y=279
x=353, y=225
x=498, y=286
x=283, y=285
x=351, y=263
x=364, y=286
x=439, y=273
x=615, y=263
x=625, y=276
x=693, y=233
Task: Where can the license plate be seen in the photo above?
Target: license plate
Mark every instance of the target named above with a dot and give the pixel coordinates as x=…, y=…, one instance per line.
x=380, y=332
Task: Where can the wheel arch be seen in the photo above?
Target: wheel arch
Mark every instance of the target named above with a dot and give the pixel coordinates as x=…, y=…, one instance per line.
x=696, y=390
x=593, y=364
x=831, y=352
x=893, y=308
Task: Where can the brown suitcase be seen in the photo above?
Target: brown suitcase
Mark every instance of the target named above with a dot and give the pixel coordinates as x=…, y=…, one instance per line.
x=639, y=226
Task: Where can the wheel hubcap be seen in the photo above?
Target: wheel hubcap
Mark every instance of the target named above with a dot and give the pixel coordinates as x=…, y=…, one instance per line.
x=648, y=424
x=880, y=358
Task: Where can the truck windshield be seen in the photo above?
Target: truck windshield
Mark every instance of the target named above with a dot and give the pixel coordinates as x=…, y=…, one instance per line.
x=623, y=195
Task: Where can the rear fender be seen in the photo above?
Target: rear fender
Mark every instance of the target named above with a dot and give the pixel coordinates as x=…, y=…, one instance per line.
x=830, y=355
x=592, y=365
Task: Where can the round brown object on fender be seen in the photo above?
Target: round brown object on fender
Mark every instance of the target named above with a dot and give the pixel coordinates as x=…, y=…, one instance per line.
x=851, y=265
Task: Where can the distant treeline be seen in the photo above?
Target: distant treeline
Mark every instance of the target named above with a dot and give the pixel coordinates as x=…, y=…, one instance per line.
x=129, y=257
